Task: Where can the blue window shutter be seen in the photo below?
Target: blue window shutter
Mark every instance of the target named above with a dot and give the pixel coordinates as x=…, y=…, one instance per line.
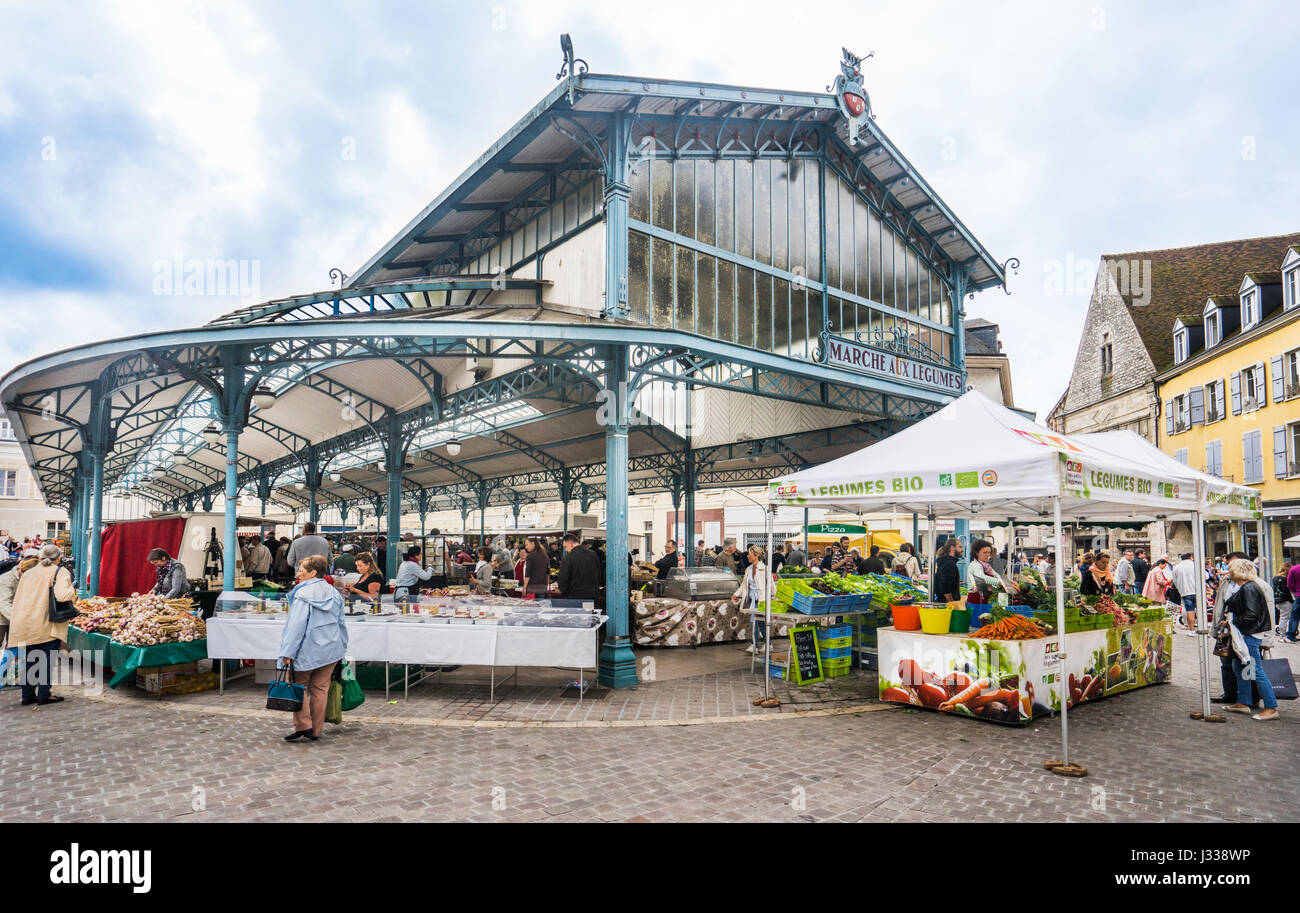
x=1218, y=399
x=1196, y=397
x=1275, y=368
x=1169, y=417
x=1236, y=393
x=1279, y=451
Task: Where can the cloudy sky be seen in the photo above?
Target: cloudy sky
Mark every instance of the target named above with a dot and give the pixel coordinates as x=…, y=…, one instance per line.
x=300, y=137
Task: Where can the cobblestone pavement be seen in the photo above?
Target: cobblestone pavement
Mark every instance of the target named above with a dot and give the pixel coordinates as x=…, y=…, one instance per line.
x=132, y=759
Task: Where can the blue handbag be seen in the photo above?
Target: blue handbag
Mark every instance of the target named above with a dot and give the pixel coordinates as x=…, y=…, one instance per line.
x=283, y=694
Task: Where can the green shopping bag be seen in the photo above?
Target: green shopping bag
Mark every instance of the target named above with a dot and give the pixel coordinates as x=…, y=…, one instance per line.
x=353, y=696
x=334, y=704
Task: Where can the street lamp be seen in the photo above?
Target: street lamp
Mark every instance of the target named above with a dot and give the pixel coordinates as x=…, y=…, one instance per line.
x=212, y=433
x=335, y=476
x=264, y=398
x=453, y=448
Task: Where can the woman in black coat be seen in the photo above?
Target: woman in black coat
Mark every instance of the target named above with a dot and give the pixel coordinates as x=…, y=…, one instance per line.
x=1252, y=616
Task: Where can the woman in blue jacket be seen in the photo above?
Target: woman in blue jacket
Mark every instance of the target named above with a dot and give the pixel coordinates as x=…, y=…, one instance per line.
x=315, y=639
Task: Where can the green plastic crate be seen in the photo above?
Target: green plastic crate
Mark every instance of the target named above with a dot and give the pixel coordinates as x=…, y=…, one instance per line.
x=370, y=676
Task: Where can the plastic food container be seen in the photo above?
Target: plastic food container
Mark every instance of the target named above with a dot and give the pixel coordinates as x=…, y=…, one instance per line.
x=960, y=622
x=906, y=617
x=935, y=620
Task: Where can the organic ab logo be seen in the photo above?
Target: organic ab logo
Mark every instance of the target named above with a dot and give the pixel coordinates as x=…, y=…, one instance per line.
x=945, y=480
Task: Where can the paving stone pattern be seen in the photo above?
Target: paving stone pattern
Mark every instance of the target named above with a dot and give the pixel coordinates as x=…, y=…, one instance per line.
x=130, y=758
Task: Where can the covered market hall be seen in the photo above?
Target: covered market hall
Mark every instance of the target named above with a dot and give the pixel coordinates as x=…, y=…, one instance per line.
x=643, y=286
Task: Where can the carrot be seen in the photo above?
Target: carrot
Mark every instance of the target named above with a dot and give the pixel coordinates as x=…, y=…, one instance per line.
x=965, y=694
x=1007, y=697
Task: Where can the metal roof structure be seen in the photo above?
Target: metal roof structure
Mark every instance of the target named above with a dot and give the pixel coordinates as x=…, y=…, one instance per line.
x=427, y=382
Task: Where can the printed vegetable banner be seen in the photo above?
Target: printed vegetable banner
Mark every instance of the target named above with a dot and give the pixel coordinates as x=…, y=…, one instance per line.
x=1018, y=681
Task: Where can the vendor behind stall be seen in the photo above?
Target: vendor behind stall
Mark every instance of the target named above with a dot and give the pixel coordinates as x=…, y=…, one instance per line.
x=173, y=583
x=410, y=573
x=1097, y=579
x=580, y=575
x=371, y=583
x=669, y=561
x=483, y=571
x=982, y=580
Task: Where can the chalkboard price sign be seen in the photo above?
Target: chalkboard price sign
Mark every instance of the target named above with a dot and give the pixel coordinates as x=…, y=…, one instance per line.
x=806, y=662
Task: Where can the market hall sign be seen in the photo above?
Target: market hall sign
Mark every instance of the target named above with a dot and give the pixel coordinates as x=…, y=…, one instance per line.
x=855, y=356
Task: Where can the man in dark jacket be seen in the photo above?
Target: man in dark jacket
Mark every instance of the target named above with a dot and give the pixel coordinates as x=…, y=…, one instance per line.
x=668, y=561
x=873, y=564
x=947, y=579
x=1141, y=567
x=580, y=575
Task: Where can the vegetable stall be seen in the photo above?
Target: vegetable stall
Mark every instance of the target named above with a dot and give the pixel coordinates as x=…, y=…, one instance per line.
x=975, y=458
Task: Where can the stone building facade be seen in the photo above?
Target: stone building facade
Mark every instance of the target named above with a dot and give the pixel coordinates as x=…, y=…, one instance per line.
x=1127, y=340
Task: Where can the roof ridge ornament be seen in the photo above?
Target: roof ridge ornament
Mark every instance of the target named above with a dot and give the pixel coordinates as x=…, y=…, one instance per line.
x=850, y=95
x=572, y=67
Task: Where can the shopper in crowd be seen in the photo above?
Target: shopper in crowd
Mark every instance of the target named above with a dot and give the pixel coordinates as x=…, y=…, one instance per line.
x=580, y=574
x=727, y=559
x=409, y=574
x=1124, y=572
x=1098, y=581
x=1250, y=611
x=30, y=625
x=796, y=557
x=873, y=563
x=1157, y=581
x=668, y=562
x=308, y=544
x=947, y=576
x=257, y=564
x=1141, y=568
x=1291, y=575
x=1226, y=589
x=315, y=639
x=905, y=563
x=8, y=587
x=280, y=563
x=345, y=562
x=703, y=557
x=982, y=581
x=756, y=588
x=537, y=569
x=371, y=583
x=173, y=582
x=1186, y=578
x=778, y=558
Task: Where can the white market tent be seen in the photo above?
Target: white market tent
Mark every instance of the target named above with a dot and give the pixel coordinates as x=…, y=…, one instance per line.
x=975, y=458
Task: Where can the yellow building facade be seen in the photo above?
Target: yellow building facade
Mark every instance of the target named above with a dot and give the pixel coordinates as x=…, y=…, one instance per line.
x=1230, y=405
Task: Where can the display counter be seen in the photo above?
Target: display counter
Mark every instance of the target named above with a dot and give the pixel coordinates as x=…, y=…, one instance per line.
x=472, y=631
x=1017, y=681
x=125, y=659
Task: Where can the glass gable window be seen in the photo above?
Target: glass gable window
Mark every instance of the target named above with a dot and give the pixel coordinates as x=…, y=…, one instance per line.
x=732, y=249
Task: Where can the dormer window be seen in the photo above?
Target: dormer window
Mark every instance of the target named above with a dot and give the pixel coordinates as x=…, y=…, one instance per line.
x=1249, y=307
x=1291, y=279
x=1180, y=344
x=1213, y=327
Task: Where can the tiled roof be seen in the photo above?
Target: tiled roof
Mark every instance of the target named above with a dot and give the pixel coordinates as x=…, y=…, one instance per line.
x=1226, y=301
x=1190, y=320
x=1181, y=279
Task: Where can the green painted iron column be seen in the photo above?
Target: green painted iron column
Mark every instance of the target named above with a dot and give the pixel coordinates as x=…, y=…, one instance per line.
x=617, y=664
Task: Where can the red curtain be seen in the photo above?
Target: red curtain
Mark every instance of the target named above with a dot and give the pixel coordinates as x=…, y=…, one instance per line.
x=124, y=566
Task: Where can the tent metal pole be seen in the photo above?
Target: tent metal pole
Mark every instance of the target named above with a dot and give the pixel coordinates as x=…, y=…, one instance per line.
x=933, y=547
x=767, y=636
x=1060, y=630
x=1203, y=628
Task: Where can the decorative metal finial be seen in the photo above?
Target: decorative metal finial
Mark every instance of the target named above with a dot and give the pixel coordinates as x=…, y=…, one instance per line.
x=572, y=67
x=337, y=275
x=850, y=95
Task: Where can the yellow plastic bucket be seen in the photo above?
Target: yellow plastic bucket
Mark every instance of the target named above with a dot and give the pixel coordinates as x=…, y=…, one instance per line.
x=935, y=621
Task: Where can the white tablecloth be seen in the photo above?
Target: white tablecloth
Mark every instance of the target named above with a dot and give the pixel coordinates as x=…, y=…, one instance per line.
x=416, y=642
